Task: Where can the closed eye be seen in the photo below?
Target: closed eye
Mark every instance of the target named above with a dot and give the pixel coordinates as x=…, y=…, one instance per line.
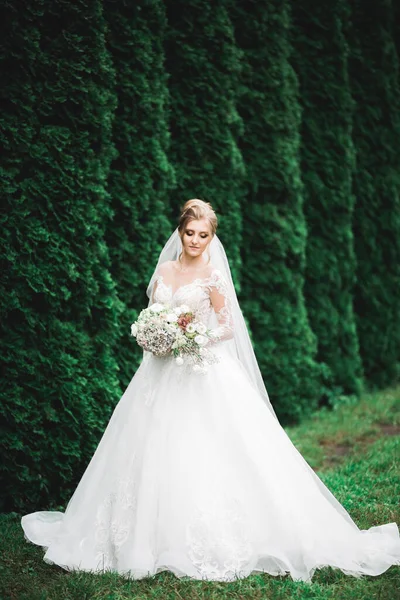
x=203, y=235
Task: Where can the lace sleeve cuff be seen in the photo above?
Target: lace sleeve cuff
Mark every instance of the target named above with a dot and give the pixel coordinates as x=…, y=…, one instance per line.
x=221, y=304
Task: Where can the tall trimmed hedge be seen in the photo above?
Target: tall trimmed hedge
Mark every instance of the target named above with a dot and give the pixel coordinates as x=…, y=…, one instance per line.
x=94, y=123
x=328, y=160
x=59, y=308
x=376, y=89
x=203, y=63
x=274, y=238
x=141, y=176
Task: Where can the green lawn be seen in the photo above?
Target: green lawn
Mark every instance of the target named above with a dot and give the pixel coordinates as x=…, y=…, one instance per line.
x=355, y=450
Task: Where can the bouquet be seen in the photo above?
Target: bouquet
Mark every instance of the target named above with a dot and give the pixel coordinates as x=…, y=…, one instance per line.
x=175, y=332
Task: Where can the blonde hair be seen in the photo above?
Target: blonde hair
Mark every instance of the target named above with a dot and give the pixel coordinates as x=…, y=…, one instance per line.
x=197, y=209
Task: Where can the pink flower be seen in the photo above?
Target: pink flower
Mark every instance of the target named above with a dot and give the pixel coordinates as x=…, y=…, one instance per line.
x=184, y=320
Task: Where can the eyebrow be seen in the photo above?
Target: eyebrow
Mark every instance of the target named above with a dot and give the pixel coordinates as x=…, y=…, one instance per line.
x=189, y=229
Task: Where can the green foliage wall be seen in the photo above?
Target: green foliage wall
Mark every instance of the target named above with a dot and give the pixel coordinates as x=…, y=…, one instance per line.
x=328, y=160
x=374, y=70
x=59, y=307
x=203, y=63
x=274, y=226
x=113, y=114
x=141, y=176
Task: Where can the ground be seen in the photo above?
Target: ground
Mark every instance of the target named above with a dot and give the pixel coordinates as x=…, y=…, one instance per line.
x=354, y=449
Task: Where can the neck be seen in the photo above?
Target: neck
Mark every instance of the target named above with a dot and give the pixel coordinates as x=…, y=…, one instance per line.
x=193, y=263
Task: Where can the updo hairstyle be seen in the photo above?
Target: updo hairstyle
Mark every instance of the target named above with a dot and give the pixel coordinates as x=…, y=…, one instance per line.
x=197, y=209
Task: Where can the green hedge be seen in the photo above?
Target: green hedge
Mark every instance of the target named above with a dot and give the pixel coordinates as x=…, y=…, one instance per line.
x=274, y=238
x=203, y=63
x=328, y=160
x=59, y=306
x=113, y=115
x=376, y=90
x=141, y=176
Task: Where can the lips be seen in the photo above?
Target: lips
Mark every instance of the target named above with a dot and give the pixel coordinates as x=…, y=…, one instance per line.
x=193, y=247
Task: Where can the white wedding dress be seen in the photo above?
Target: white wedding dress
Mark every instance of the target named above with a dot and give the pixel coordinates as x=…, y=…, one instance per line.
x=194, y=474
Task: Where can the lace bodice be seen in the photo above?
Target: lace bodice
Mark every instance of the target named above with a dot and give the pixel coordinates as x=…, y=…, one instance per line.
x=203, y=296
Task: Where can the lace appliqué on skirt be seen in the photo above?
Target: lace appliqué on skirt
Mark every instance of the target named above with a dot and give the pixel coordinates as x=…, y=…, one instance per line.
x=218, y=542
x=114, y=521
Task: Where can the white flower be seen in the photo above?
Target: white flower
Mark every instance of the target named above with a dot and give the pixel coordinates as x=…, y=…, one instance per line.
x=201, y=328
x=190, y=328
x=171, y=317
x=177, y=310
x=179, y=361
x=134, y=329
x=180, y=341
x=201, y=340
x=156, y=307
x=185, y=308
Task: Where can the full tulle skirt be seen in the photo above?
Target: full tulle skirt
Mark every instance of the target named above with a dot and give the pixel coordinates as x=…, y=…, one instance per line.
x=196, y=476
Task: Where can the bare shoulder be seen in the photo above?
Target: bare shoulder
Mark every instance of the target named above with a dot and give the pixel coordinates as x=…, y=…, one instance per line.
x=210, y=270
x=213, y=273
x=165, y=268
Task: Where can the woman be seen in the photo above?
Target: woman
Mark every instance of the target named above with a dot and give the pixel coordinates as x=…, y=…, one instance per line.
x=194, y=473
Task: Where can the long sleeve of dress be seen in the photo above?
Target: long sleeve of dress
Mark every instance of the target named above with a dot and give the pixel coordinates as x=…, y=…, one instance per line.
x=221, y=304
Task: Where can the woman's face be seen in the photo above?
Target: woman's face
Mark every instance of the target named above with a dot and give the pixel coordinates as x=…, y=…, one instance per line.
x=196, y=236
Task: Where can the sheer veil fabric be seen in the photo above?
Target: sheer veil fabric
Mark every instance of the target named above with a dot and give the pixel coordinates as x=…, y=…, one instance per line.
x=195, y=475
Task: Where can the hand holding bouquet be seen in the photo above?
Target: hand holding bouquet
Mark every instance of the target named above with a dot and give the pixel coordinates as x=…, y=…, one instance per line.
x=175, y=332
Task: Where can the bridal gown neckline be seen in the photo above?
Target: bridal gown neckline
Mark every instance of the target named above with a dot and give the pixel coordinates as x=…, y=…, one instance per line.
x=196, y=281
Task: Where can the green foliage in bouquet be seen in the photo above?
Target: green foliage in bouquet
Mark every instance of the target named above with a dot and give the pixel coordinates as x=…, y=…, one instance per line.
x=320, y=58
x=175, y=332
x=204, y=66
x=274, y=225
x=374, y=65
x=59, y=305
x=141, y=176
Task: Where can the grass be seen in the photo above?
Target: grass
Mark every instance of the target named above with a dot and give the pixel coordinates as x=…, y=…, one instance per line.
x=353, y=449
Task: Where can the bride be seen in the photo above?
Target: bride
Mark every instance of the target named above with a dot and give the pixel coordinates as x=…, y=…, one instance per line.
x=194, y=473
